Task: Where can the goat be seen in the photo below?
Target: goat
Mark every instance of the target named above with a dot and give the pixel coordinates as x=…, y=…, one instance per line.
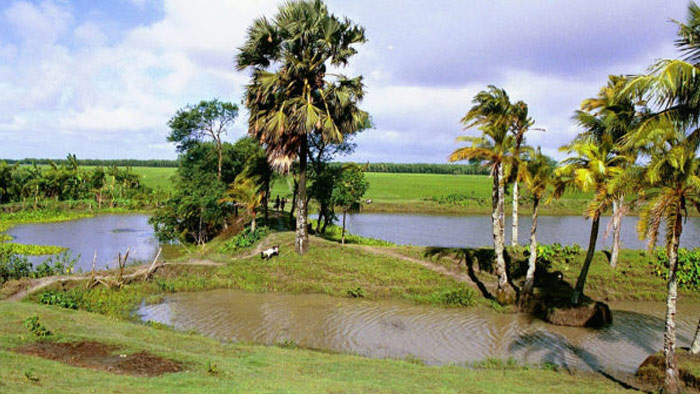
x=270, y=252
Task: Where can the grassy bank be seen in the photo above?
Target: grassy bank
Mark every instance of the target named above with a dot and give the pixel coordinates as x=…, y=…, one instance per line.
x=328, y=268
x=211, y=366
x=634, y=278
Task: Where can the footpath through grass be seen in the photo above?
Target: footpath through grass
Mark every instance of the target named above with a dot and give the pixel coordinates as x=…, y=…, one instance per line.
x=214, y=367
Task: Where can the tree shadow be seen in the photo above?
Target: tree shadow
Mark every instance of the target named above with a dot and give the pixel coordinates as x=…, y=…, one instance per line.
x=481, y=258
x=559, y=350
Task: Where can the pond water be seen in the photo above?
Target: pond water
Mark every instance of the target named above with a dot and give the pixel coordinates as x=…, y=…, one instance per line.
x=108, y=235
x=475, y=230
x=391, y=329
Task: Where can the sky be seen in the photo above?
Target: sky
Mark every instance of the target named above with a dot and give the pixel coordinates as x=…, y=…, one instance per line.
x=101, y=78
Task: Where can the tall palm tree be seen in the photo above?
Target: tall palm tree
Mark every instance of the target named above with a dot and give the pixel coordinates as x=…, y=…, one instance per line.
x=538, y=177
x=607, y=118
x=671, y=138
x=521, y=123
x=592, y=167
x=491, y=114
x=290, y=95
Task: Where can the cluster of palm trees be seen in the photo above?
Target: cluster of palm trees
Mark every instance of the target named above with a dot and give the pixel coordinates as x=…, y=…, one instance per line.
x=640, y=139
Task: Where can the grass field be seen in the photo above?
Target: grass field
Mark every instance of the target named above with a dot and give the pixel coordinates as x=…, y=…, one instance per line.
x=213, y=367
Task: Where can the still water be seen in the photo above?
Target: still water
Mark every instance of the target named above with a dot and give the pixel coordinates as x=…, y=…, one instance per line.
x=392, y=329
x=475, y=230
x=106, y=234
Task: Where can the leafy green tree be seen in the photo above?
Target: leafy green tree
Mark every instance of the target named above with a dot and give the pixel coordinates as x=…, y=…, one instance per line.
x=491, y=114
x=290, y=96
x=349, y=189
x=207, y=119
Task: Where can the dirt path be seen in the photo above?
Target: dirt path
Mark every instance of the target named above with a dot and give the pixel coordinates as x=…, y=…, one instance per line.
x=459, y=277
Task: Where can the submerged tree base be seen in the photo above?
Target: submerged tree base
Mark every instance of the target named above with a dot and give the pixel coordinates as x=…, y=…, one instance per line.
x=651, y=371
x=593, y=314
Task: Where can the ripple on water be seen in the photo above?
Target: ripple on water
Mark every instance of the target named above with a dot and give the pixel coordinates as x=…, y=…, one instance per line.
x=434, y=335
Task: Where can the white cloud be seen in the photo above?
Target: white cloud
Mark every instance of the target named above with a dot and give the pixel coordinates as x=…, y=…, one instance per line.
x=41, y=23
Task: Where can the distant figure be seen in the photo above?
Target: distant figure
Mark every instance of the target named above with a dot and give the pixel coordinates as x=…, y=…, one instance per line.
x=368, y=201
x=277, y=202
x=269, y=253
x=284, y=202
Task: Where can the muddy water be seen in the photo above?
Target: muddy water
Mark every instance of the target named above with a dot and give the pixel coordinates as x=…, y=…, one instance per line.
x=435, y=335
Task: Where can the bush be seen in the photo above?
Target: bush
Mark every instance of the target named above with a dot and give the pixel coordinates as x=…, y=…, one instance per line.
x=244, y=240
x=64, y=300
x=459, y=199
x=547, y=254
x=458, y=297
x=688, y=272
x=357, y=292
x=34, y=325
x=13, y=265
x=16, y=266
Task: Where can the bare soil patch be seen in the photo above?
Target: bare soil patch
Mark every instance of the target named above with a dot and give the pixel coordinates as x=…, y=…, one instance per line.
x=103, y=357
x=588, y=315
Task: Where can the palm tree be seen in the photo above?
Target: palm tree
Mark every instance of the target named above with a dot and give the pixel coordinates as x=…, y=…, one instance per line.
x=491, y=114
x=607, y=118
x=244, y=192
x=538, y=176
x=521, y=123
x=290, y=96
x=671, y=138
x=592, y=168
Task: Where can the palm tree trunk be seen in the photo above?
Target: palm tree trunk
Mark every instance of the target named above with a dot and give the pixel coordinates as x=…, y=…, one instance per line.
x=616, y=225
x=514, y=240
x=253, y=224
x=342, y=237
x=581, y=282
x=497, y=218
x=294, y=201
x=671, y=384
x=530, y=275
x=695, y=347
x=301, y=243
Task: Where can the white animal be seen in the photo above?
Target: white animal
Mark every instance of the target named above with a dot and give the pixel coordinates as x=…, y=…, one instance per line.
x=268, y=253
x=368, y=201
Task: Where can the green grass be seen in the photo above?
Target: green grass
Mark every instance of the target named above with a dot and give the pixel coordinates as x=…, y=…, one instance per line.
x=156, y=177
x=244, y=367
x=328, y=268
x=391, y=192
x=632, y=279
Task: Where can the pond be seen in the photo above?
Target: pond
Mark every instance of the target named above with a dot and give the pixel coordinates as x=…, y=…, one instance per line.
x=392, y=329
x=107, y=235
x=475, y=230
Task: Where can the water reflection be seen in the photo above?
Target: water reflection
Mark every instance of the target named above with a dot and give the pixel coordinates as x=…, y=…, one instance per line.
x=106, y=234
x=435, y=335
x=475, y=231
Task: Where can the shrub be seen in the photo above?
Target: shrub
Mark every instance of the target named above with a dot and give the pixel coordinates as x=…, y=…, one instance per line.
x=34, y=325
x=13, y=265
x=547, y=254
x=244, y=240
x=356, y=292
x=688, y=266
x=458, y=297
x=459, y=199
x=64, y=300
